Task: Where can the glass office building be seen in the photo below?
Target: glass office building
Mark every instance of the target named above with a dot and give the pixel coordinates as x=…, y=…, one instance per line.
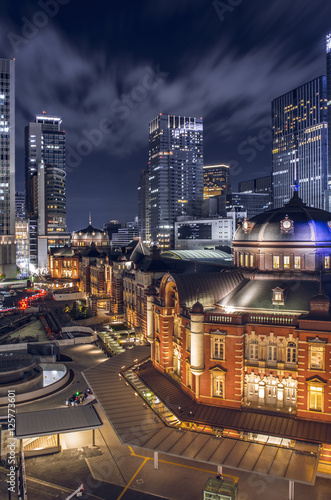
x=299, y=147
x=328, y=92
x=175, y=174
x=45, y=178
x=7, y=168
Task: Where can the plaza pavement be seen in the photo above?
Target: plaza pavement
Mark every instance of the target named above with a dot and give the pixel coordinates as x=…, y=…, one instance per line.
x=113, y=471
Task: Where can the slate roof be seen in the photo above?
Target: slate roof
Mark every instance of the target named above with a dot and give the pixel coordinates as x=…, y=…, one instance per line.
x=89, y=230
x=200, y=255
x=246, y=420
x=208, y=288
x=41, y=423
x=257, y=294
x=136, y=424
x=63, y=251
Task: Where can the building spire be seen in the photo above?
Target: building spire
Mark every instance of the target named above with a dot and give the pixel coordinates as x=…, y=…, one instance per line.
x=89, y=218
x=296, y=185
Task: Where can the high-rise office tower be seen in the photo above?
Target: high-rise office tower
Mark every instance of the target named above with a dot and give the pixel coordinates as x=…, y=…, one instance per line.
x=7, y=168
x=45, y=183
x=175, y=174
x=216, y=180
x=258, y=185
x=328, y=95
x=299, y=146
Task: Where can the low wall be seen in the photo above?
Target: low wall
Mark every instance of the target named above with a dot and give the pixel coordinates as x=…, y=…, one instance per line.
x=39, y=393
x=77, y=328
x=23, y=346
x=77, y=340
x=43, y=451
x=69, y=296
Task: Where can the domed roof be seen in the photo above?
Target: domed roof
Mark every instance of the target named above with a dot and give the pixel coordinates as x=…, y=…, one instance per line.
x=90, y=232
x=293, y=222
x=197, y=308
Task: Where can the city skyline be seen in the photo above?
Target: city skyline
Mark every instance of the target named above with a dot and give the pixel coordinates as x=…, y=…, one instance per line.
x=89, y=76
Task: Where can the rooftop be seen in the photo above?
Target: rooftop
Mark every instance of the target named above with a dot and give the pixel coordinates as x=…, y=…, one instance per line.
x=136, y=424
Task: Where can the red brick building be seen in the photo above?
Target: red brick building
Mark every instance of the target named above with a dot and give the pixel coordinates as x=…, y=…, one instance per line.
x=256, y=337
x=63, y=263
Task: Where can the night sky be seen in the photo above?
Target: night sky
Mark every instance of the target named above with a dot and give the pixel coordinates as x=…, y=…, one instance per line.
x=112, y=66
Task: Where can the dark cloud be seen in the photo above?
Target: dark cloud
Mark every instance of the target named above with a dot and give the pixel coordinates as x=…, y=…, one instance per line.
x=108, y=71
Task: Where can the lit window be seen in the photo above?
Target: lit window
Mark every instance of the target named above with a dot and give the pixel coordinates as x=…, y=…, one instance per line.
x=286, y=262
x=278, y=296
x=218, y=348
x=316, y=357
x=316, y=396
x=251, y=260
x=276, y=262
x=297, y=262
x=327, y=262
x=241, y=259
x=218, y=386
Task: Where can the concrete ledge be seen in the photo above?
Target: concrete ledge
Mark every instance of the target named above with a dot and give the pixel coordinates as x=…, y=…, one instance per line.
x=39, y=393
x=43, y=451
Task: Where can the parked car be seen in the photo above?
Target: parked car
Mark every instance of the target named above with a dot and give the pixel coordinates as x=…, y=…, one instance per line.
x=76, y=399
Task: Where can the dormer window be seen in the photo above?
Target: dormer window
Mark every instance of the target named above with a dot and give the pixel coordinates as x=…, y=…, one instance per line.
x=278, y=296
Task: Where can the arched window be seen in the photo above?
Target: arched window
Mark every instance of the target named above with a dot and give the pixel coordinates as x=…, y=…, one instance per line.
x=291, y=353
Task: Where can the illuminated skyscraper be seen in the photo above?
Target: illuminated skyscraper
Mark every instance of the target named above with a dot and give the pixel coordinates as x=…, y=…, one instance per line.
x=328, y=95
x=45, y=183
x=7, y=168
x=300, y=134
x=216, y=180
x=175, y=174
